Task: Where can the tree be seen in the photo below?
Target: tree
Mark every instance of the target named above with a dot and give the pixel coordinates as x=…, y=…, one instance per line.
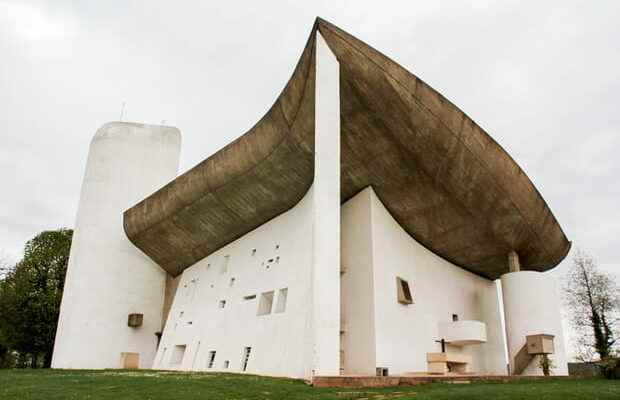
x=30, y=295
x=6, y=355
x=593, y=301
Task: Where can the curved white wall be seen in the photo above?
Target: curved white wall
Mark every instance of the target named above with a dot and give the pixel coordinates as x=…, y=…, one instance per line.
x=532, y=306
x=379, y=331
x=274, y=256
x=108, y=277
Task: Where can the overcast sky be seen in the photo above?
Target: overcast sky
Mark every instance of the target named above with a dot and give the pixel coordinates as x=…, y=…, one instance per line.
x=542, y=78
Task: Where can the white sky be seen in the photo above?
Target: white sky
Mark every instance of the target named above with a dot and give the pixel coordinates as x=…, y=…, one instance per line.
x=543, y=78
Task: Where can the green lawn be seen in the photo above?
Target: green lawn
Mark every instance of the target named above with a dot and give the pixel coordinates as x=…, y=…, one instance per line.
x=155, y=385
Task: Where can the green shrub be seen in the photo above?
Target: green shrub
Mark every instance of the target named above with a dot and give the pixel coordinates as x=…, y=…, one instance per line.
x=610, y=367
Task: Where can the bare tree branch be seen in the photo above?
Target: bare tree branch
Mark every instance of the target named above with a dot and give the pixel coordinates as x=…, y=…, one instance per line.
x=592, y=298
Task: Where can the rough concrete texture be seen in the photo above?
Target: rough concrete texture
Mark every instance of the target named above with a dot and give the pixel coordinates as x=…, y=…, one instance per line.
x=444, y=179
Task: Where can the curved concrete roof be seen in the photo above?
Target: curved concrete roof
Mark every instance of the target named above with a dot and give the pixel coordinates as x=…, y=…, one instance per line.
x=444, y=179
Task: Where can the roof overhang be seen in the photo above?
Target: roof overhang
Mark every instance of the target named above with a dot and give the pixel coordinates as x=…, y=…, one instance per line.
x=445, y=180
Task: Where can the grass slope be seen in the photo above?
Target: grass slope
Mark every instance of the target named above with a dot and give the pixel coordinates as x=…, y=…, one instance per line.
x=156, y=385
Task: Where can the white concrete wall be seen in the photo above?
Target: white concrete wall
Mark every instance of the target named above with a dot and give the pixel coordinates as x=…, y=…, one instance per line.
x=326, y=199
x=405, y=333
x=357, y=287
x=532, y=306
x=281, y=343
x=108, y=277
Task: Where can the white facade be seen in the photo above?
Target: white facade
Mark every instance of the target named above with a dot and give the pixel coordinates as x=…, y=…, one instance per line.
x=376, y=331
x=273, y=257
x=315, y=291
x=108, y=278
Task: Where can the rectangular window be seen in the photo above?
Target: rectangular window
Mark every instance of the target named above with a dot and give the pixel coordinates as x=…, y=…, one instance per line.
x=246, y=358
x=222, y=303
x=249, y=297
x=403, y=291
x=194, y=288
x=455, y=317
x=226, y=364
x=265, y=303
x=225, y=262
x=211, y=359
x=177, y=354
x=281, y=303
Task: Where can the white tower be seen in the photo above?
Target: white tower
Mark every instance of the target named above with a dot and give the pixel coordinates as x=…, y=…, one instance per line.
x=108, y=278
x=531, y=307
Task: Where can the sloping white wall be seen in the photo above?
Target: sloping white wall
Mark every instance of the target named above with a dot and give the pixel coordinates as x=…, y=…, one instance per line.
x=405, y=333
x=108, y=277
x=281, y=343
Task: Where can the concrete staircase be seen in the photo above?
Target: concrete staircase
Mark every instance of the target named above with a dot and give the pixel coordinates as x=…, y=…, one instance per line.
x=522, y=360
x=534, y=345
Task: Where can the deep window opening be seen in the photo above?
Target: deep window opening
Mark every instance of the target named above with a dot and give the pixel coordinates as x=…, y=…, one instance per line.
x=177, y=354
x=403, y=291
x=281, y=302
x=265, y=303
x=222, y=303
x=225, y=263
x=211, y=359
x=245, y=358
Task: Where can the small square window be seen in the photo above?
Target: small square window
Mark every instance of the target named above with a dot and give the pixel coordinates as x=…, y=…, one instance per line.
x=455, y=317
x=265, y=303
x=403, y=291
x=222, y=303
x=177, y=354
